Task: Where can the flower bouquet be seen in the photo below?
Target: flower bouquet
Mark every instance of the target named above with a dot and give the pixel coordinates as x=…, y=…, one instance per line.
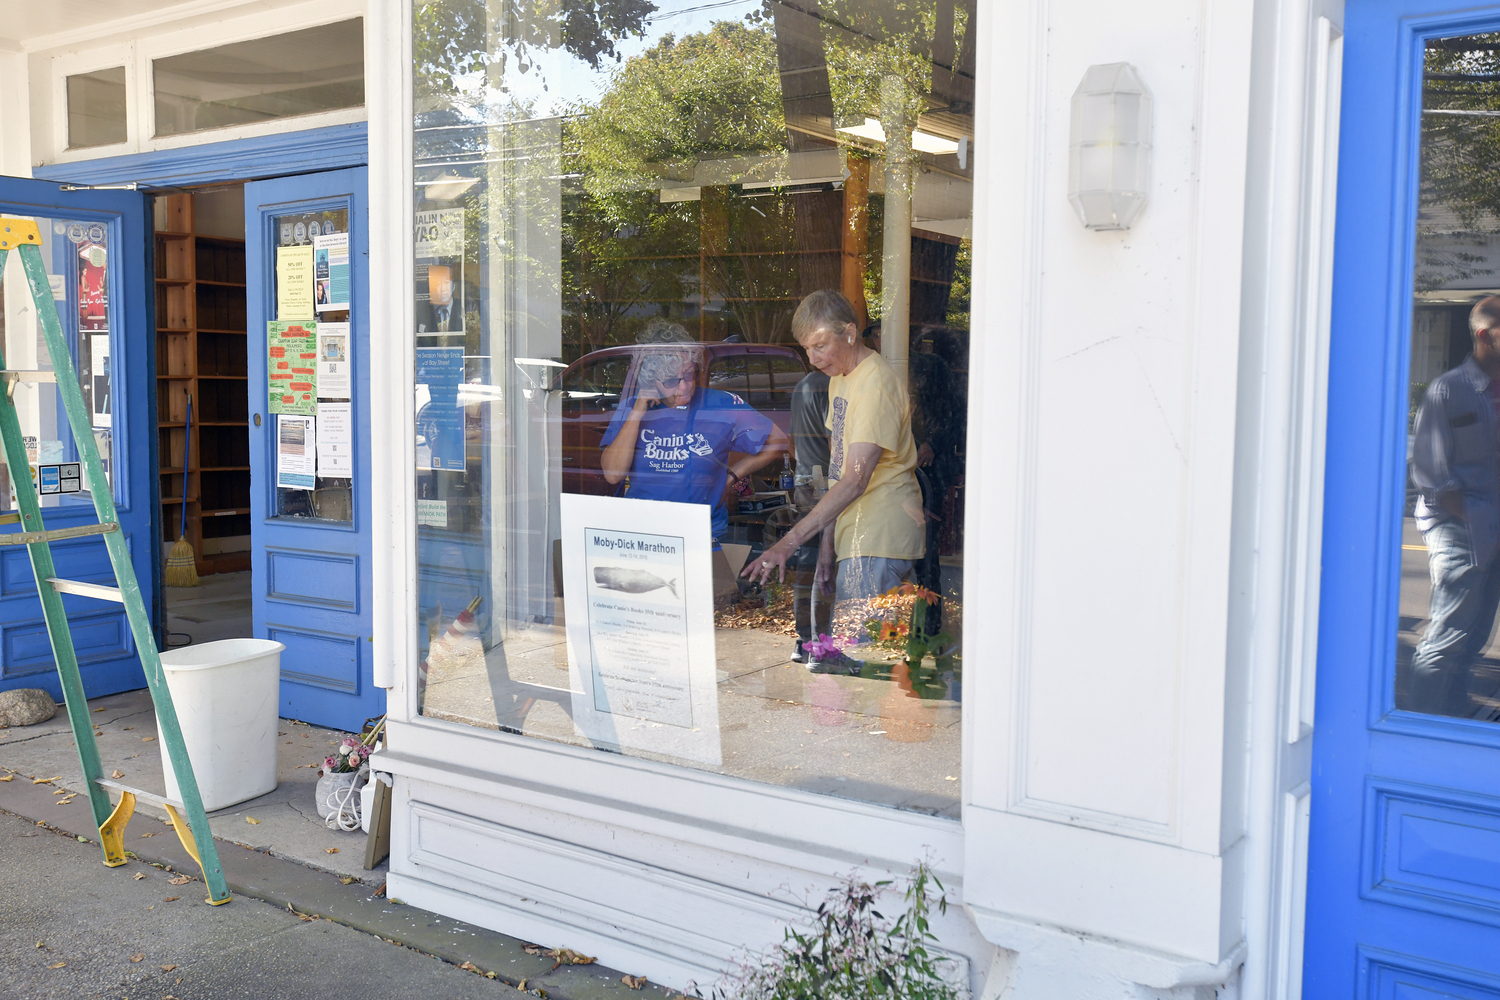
x=344, y=771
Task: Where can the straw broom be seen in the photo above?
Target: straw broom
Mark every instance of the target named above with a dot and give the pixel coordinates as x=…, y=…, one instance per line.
x=182, y=564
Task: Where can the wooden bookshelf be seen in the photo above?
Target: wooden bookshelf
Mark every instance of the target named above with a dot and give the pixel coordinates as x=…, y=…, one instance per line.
x=201, y=351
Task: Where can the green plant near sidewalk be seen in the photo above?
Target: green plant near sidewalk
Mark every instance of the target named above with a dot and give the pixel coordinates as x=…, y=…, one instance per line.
x=851, y=951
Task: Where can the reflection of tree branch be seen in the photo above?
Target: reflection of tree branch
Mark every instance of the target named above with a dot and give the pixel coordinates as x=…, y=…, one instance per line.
x=452, y=39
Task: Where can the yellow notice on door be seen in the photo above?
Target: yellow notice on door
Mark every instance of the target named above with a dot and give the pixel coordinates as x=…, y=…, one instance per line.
x=294, y=283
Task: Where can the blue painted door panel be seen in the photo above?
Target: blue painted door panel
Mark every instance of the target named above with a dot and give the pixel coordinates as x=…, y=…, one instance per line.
x=1403, y=897
x=106, y=653
x=311, y=576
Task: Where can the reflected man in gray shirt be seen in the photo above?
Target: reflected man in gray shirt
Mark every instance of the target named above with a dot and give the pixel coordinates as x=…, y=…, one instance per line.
x=1456, y=467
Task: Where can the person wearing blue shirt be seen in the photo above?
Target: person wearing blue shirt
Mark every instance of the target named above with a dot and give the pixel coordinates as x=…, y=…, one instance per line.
x=1456, y=466
x=674, y=439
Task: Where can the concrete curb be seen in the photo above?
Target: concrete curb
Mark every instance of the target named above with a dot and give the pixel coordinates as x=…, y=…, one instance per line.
x=310, y=891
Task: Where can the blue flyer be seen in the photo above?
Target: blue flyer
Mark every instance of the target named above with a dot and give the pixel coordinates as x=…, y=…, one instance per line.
x=440, y=417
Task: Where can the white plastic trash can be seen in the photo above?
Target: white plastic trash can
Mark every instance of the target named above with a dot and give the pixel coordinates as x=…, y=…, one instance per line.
x=226, y=694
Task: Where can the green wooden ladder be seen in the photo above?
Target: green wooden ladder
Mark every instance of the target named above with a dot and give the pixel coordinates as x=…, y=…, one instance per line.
x=23, y=236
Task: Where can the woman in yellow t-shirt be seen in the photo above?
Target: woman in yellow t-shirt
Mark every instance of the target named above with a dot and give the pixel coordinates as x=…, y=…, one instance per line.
x=871, y=520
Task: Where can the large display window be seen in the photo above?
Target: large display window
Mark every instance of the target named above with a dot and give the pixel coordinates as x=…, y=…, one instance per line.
x=692, y=335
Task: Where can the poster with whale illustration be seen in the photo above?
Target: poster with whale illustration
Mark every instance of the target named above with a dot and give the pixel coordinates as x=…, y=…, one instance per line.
x=638, y=595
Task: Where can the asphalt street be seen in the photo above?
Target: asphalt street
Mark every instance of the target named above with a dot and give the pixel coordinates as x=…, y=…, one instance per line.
x=72, y=929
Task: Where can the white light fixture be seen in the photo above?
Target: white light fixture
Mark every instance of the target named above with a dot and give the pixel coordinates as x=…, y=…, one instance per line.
x=448, y=187
x=1109, y=153
x=922, y=142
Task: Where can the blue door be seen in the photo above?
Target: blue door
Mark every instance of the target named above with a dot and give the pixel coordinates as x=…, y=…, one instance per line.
x=309, y=379
x=97, y=247
x=1404, y=854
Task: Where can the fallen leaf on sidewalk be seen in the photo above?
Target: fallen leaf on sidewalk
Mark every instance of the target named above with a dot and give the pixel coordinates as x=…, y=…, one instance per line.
x=138, y=876
x=148, y=739
x=252, y=821
x=634, y=982
x=45, y=781
x=301, y=766
x=98, y=709
x=330, y=850
x=180, y=880
x=347, y=880
x=532, y=949
x=129, y=728
x=61, y=791
x=567, y=956
x=469, y=967
x=168, y=968
x=118, y=773
x=70, y=798
x=8, y=777
x=148, y=834
x=170, y=899
x=57, y=965
x=137, y=957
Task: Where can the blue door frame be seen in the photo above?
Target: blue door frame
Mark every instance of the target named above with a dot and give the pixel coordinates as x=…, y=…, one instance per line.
x=283, y=154
x=1403, y=896
x=106, y=652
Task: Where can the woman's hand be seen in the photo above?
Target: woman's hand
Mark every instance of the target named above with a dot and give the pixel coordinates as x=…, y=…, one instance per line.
x=823, y=576
x=770, y=562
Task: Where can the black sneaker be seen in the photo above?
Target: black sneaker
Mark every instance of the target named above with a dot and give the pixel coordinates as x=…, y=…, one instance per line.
x=798, y=655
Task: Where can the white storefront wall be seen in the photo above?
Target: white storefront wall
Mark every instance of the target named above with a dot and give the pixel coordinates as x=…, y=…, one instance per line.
x=1144, y=472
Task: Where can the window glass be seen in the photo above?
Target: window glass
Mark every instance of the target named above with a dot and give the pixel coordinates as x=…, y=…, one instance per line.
x=76, y=255
x=618, y=214
x=297, y=73
x=331, y=498
x=96, y=108
x=1447, y=662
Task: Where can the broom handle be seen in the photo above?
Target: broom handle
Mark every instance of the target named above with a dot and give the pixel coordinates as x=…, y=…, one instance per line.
x=187, y=460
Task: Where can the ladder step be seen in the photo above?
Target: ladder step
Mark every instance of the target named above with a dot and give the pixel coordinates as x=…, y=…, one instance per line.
x=32, y=537
x=11, y=377
x=152, y=797
x=82, y=589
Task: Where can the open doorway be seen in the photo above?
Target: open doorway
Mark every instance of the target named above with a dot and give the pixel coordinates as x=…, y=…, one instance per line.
x=204, y=451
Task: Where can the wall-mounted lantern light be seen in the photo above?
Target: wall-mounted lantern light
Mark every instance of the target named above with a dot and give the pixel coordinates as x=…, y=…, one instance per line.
x=1109, y=154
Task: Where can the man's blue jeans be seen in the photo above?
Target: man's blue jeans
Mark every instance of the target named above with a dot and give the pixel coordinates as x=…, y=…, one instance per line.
x=1464, y=599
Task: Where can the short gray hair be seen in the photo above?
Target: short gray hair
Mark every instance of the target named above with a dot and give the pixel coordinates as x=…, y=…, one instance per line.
x=659, y=365
x=1485, y=315
x=824, y=309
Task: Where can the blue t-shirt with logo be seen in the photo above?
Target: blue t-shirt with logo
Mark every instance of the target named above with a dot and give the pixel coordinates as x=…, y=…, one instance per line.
x=683, y=451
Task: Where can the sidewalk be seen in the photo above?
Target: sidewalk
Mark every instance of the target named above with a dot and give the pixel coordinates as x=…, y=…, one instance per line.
x=283, y=859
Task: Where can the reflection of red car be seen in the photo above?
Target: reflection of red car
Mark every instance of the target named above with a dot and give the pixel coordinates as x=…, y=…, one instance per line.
x=763, y=375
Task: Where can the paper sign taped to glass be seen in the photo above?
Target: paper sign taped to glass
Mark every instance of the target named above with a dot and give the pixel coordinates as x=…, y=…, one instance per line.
x=439, y=289
x=292, y=368
x=638, y=592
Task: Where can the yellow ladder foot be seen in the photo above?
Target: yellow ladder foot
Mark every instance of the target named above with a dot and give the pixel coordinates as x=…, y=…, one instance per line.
x=112, y=833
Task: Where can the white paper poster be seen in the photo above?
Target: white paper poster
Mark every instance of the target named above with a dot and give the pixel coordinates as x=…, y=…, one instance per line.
x=296, y=452
x=334, y=362
x=335, y=444
x=638, y=586
x=331, y=271
x=99, y=379
x=432, y=513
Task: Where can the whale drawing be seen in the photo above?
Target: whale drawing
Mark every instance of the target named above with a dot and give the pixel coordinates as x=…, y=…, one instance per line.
x=631, y=581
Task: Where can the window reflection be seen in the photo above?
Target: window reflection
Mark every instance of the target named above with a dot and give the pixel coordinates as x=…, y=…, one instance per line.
x=1447, y=661
x=615, y=225
x=76, y=257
